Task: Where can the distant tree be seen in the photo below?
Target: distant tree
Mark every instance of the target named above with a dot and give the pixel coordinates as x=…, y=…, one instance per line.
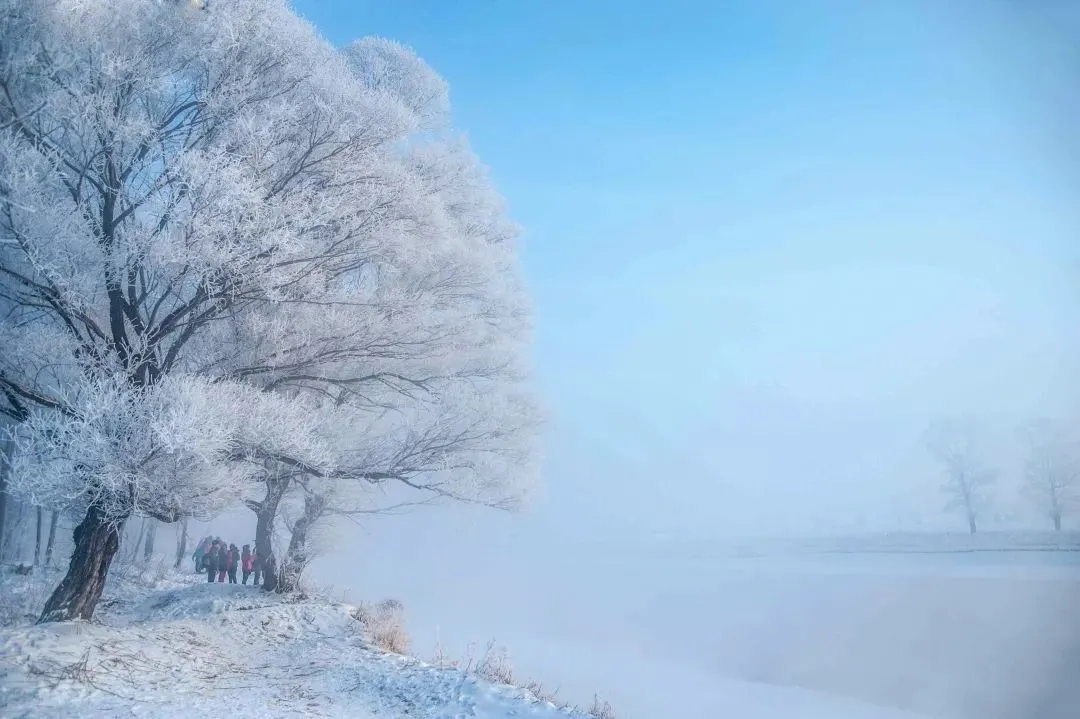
x=967, y=479
x=181, y=543
x=137, y=544
x=39, y=528
x=7, y=451
x=51, y=544
x=148, y=543
x=1052, y=469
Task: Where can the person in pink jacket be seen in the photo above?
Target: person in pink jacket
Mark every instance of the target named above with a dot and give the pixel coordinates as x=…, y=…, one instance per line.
x=247, y=563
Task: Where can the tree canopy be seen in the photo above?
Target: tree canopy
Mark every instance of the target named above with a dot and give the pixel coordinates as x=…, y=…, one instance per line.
x=228, y=248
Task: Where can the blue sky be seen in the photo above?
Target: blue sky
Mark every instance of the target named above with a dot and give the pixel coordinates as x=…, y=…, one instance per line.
x=769, y=241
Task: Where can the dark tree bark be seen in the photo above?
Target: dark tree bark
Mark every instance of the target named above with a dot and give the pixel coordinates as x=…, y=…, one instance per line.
x=298, y=556
x=39, y=525
x=1057, y=521
x=265, y=514
x=17, y=533
x=52, y=538
x=151, y=532
x=181, y=544
x=96, y=542
x=6, y=538
x=5, y=450
x=3, y=513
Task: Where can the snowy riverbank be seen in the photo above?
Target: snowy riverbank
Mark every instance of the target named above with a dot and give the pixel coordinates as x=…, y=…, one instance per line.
x=167, y=646
x=190, y=649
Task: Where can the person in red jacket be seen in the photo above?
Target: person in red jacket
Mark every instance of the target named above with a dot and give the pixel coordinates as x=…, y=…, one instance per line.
x=247, y=563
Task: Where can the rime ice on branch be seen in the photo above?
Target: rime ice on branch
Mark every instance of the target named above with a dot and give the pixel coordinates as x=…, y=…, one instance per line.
x=231, y=255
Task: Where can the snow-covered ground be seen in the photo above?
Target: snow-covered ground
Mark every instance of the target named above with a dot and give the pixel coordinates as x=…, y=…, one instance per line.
x=206, y=650
x=171, y=647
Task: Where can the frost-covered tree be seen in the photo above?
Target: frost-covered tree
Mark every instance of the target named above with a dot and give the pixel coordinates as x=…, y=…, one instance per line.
x=181, y=446
x=211, y=224
x=1052, y=469
x=967, y=479
x=7, y=450
x=51, y=543
x=443, y=360
x=470, y=443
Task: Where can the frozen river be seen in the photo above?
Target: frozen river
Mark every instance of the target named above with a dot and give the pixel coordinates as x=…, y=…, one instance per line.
x=957, y=634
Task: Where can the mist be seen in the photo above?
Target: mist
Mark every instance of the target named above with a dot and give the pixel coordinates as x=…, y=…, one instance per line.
x=771, y=246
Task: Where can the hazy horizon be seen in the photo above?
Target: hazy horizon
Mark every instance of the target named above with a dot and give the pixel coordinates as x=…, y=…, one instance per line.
x=770, y=244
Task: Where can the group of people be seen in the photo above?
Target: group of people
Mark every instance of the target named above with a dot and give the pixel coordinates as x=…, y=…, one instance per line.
x=221, y=560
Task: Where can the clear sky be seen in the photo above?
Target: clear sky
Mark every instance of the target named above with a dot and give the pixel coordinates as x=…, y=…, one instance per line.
x=769, y=242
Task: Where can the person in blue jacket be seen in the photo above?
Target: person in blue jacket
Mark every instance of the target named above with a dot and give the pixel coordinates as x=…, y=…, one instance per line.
x=200, y=552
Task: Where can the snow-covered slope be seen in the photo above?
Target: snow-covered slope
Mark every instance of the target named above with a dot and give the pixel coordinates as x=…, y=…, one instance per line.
x=208, y=650
x=217, y=650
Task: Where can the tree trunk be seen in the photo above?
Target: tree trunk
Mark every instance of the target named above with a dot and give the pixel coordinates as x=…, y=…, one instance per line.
x=18, y=532
x=96, y=542
x=6, y=450
x=3, y=514
x=1057, y=521
x=265, y=514
x=151, y=532
x=38, y=527
x=299, y=554
x=181, y=544
x=7, y=540
x=13, y=534
x=52, y=538
x=129, y=557
x=971, y=524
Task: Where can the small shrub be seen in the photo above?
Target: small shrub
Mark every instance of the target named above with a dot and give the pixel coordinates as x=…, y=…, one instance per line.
x=156, y=572
x=385, y=625
x=328, y=592
x=495, y=665
x=601, y=709
x=442, y=660
x=78, y=671
x=22, y=596
x=541, y=693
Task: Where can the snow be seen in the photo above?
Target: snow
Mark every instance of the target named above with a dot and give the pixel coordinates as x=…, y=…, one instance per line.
x=195, y=650
x=171, y=647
